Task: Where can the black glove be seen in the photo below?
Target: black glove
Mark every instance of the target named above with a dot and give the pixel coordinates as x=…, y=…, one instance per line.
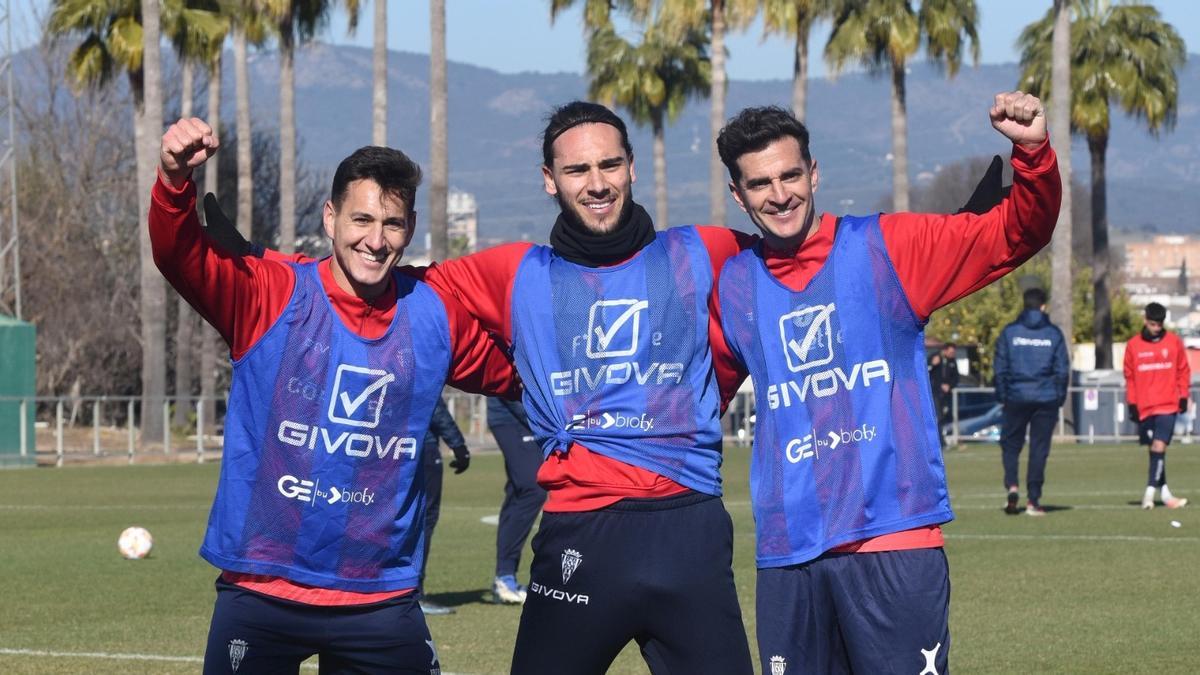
x=1133, y=416
x=223, y=232
x=989, y=191
x=1183, y=402
x=462, y=459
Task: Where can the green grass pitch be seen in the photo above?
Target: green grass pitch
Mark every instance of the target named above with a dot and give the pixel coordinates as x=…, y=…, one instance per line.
x=1098, y=586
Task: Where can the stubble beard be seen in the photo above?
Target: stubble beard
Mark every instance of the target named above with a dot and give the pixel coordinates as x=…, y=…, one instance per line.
x=570, y=212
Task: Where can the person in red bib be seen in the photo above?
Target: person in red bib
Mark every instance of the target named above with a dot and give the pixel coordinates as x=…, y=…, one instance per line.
x=1157, y=377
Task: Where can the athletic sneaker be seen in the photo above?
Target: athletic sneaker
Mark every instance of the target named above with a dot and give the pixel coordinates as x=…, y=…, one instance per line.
x=430, y=608
x=1148, y=499
x=1010, y=507
x=506, y=591
x=1176, y=502
x=1032, y=509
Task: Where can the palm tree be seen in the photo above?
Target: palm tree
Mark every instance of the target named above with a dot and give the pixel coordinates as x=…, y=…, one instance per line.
x=652, y=80
x=379, y=71
x=677, y=18
x=795, y=19
x=883, y=35
x=378, y=67
x=1061, y=310
x=294, y=21
x=124, y=35
x=718, y=16
x=247, y=27
x=439, y=169
x=198, y=34
x=1124, y=54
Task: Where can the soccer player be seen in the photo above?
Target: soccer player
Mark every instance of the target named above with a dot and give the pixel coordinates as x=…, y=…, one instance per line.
x=1157, y=377
x=827, y=315
x=1031, y=372
x=609, y=327
x=317, y=524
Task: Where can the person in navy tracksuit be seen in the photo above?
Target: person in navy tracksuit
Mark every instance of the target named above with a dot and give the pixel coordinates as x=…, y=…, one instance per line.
x=1031, y=371
x=442, y=427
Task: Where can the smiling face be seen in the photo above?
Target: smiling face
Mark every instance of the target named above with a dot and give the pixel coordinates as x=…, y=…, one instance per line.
x=370, y=230
x=776, y=190
x=591, y=177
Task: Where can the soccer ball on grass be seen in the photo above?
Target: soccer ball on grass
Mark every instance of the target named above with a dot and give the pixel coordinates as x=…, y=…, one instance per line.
x=135, y=543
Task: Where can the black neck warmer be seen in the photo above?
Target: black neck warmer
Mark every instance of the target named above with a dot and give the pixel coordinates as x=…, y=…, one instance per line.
x=1152, y=338
x=573, y=242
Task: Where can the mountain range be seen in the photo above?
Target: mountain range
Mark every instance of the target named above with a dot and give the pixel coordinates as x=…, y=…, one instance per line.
x=495, y=151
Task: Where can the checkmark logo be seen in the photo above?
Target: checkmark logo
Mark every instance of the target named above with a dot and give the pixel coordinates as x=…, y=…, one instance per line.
x=807, y=337
x=603, y=330
x=353, y=387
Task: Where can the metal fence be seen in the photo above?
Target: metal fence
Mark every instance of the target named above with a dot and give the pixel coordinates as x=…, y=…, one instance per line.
x=107, y=428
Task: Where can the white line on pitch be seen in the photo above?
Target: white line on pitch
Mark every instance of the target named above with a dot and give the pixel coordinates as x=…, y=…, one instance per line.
x=1071, y=537
x=126, y=657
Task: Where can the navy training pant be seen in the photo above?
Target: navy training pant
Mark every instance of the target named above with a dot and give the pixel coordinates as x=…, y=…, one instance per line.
x=523, y=497
x=658, y=571
x=255, y=633
x=882, y=612
x=1040, y=419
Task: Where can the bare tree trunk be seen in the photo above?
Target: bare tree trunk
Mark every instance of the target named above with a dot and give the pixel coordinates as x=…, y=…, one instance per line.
x=207, y=335
x=185, y=318
x=148, y=127
x=287, y=137
x=660, y=173
x=716, y=119
x=245, y=136
x=1060, y=131
x=379, y=100
x=800, y=69
x=899, y=141
x=439, y=174
x=1102, y=320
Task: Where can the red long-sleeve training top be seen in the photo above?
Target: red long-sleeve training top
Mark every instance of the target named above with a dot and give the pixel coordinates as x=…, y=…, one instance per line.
x=1157, y=374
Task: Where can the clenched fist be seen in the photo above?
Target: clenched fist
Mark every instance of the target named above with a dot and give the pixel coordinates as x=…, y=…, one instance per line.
x=186, y=145
x=1020, y=117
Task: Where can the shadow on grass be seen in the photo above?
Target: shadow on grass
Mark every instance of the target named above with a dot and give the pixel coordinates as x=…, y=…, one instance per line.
x=482, y=596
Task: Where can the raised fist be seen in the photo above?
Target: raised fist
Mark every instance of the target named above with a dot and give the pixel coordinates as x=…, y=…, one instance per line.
x=186, y=145
x=1020, y=117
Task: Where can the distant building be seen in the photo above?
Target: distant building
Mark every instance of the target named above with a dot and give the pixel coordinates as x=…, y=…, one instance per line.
x=1162, y=263
x=464, y=219
x=462, y=231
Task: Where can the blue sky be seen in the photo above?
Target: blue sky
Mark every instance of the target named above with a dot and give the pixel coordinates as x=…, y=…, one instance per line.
x=516, y=35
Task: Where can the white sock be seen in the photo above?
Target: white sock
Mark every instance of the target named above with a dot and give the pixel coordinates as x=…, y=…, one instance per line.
x=1149, y=496
x=1166, y=494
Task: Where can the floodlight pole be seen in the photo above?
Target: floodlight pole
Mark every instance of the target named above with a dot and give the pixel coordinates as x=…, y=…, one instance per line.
x=10, y=251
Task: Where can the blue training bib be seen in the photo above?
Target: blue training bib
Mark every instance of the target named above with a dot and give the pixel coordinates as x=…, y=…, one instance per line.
x=321, y=479
x=846, y=443
x=617, y=358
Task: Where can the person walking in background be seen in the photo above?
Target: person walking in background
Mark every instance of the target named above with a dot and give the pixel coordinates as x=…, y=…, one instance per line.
x=1031, y=373
x=442, y=427
x=1157, y=376
x=523, y=497
x=943, y=377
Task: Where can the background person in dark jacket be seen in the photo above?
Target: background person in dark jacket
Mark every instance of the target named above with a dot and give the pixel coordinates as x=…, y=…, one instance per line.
x=441, y=427
x=943, y=378
x=1031, y=381
x=523, y=497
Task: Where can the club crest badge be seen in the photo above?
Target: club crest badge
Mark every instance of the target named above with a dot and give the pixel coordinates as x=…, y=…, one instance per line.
x=570, y=562
x=778, y=665
x=237, y=651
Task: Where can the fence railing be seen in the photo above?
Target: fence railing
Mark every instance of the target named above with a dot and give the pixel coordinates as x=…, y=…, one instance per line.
x=78, y=428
